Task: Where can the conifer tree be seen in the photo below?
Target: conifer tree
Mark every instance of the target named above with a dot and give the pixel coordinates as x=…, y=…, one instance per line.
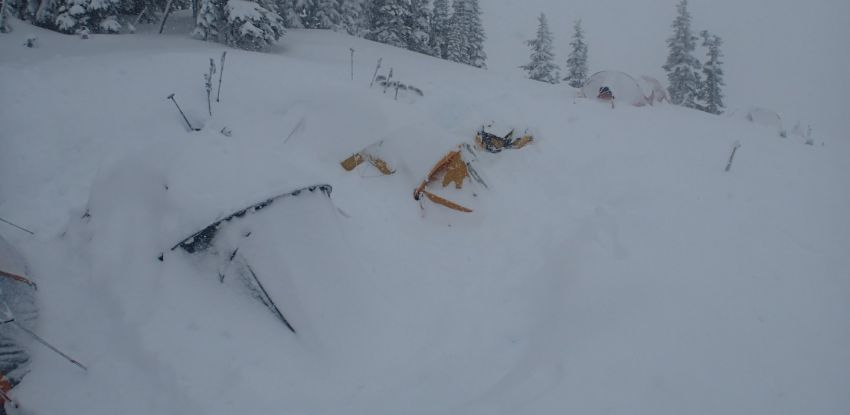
x=457, y=39
x=711, y=94
x=4, y=11
x=211, y=18
x=240, y=23
x=465, y=42
x=388, y=21
x=351, y=14
x=289, y=10
x=321, y=14
x=542, y=66
x=577, y=59
x=682, y=67
x=477, y=56
x=418, y=24
x=97, y=16
x=440, y=28
x=252, y=25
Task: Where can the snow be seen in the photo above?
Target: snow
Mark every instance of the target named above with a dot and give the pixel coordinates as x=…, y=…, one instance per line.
x=611, y=267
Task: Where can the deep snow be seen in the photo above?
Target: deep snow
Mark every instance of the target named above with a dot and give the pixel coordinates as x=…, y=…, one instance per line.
x=611, y=267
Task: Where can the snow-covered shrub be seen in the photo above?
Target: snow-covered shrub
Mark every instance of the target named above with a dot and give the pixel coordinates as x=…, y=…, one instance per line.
x=98, y=16
x=210, y=20
x=251, y=26
x=240, y=23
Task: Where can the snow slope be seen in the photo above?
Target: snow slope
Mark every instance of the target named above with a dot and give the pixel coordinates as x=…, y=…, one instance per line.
x=611, y=267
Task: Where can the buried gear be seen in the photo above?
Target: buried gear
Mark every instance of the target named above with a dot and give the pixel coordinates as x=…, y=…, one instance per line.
x=495, y=144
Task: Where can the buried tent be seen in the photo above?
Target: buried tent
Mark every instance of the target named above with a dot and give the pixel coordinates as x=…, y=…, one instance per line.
x=453, y=167
x=17, y=301
x=624, y=87
x=286, y=252
x=765, y=117
x=657, y=92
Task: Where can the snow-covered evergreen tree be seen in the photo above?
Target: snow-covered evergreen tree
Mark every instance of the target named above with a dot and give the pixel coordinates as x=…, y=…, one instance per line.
x=457, y=39
x=98, y=16
x=577, y=59
x=477, y=57
x=711, y=94
x=321, y=14
x=388, y=20
x=150, y=11
x=4, y=11
x=289, y=10
x=419, y=25
x=440, y=28
x=542, y=66
x=682, y=67
x=251, y=26
x=241, y=23
x=466, y=34
x=38, y=12
x=351, y=15
x=211, y=20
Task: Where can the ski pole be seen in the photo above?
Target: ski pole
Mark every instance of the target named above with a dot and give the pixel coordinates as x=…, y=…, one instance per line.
x=375, y=75
x=220, y=74
x=732, y=156
x=352, y=63
x=171, y=97
x=208, y=83
x=389, y=80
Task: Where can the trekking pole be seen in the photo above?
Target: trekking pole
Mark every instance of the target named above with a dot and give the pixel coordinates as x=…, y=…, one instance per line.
x=19, y=227
x=171, y=97
x=732, y=156
x=208, y=85
x=352, y=63
x=220, y=74
x=389, y=80
x=375, y=75
x=10, y=318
